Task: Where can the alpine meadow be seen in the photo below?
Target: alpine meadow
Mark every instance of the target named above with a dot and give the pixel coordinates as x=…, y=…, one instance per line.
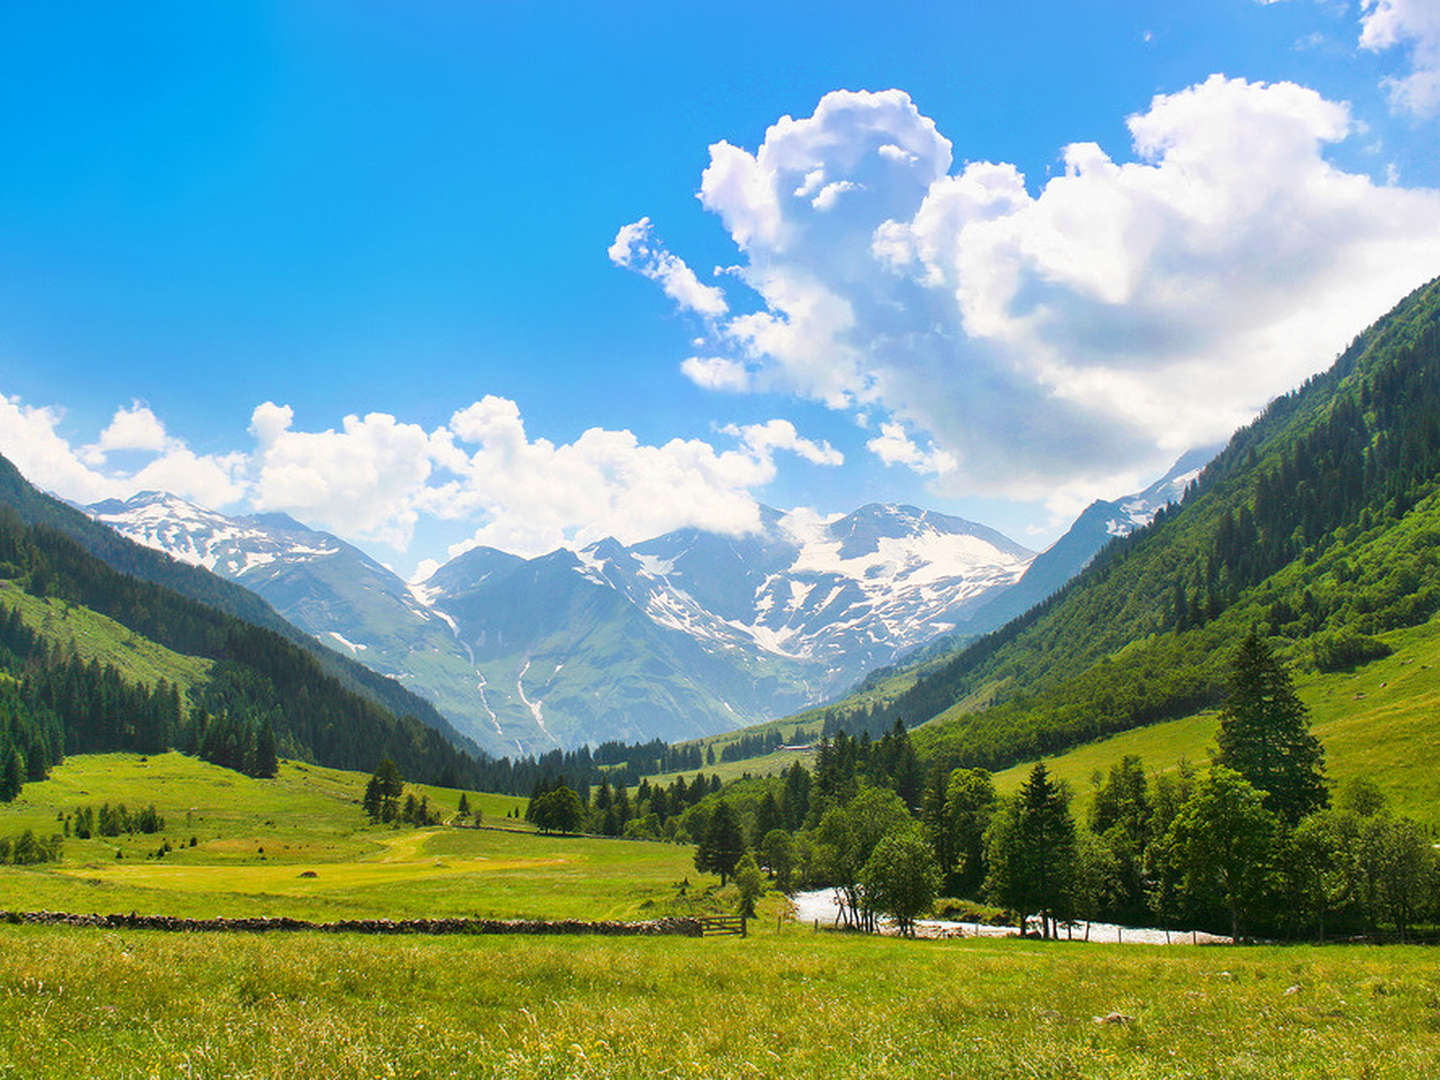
x=559, y=541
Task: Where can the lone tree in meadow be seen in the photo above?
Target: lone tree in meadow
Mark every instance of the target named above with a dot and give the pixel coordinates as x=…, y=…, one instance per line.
x=723, y=844
x=559, y=811
x=1265, y=734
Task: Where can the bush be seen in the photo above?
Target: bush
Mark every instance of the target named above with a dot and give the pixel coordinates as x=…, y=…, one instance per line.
x=1345, y=650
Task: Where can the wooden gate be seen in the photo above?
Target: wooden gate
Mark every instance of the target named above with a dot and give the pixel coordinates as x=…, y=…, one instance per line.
x=721, y=924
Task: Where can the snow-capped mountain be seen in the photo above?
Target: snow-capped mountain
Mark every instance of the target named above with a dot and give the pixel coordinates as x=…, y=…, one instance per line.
x=1097, y=525
x=318, y=582
x=688, y=633
x=682, y=635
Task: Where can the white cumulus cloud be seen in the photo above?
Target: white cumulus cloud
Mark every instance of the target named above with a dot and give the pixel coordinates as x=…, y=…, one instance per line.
x=135, y=428
x=364, y=480
x=1415, y=25
x=536, y=495
x=636, y=248
x=1072, y=335
x=716, y=373
x=31, y=438
x=378, y=477
x=894, y=446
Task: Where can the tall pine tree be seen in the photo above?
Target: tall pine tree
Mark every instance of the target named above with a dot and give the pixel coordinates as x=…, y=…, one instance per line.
x=1265, y=734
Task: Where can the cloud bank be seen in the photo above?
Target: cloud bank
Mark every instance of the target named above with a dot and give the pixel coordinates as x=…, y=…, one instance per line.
x=376, y=477
x=1070, y=336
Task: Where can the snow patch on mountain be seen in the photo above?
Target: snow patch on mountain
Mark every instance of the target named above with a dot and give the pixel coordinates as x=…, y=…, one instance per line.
x=354, y=648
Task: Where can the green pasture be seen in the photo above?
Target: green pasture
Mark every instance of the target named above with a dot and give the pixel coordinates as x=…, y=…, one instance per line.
x=773, y=763
x=300, y=845
x=790, y=1004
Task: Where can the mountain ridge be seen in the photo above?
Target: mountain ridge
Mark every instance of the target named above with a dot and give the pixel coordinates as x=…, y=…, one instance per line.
x=699, y=631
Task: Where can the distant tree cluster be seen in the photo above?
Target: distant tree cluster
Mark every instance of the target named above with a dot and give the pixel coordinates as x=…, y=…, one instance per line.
x=28, y=850
x=617, y=764
x=650, y=812
x=387, y=802
x=757, y=745
x=87, y=821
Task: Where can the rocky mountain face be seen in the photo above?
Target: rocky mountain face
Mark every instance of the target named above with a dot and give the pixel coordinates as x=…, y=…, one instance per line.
x=685, y=634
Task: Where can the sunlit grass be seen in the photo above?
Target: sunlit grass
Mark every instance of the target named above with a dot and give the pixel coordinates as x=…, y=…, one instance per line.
x=300, y=845
x=88, y=1003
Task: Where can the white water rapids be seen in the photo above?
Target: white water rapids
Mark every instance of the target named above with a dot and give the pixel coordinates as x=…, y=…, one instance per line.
x=820, y=905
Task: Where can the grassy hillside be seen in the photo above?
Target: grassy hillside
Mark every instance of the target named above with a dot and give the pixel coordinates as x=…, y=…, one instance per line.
x=255, y=838
x=788, y=1005
x=1378, y=721
x=100, y=638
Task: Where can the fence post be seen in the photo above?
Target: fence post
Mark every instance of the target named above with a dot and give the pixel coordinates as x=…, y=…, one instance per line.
x=742, y=926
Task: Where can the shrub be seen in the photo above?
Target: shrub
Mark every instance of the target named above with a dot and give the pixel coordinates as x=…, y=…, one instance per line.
x=1346, y=649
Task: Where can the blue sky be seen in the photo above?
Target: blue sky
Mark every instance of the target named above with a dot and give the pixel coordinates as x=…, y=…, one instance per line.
x=398, y=211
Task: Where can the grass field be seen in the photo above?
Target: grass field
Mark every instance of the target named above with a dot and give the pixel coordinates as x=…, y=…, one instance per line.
x=793, y=1004
x=256, y=838
x=764, y=765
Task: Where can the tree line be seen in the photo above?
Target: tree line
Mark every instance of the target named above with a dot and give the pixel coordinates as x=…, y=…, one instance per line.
x=651, y=812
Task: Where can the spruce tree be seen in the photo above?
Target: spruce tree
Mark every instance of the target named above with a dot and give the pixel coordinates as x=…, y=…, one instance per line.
x=372, y=801
x=722, y=845
x=1265, y=734
x=12, y=775
x=767, y=817
x=1031, y=851
x=266, y=763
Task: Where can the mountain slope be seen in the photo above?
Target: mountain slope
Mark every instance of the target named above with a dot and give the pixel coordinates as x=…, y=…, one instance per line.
x=257, y=678
x=1318, y=523
x=1097, y=525
x=330, y=589
x=694, y=632
x=688, y=633
x=196, y=583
